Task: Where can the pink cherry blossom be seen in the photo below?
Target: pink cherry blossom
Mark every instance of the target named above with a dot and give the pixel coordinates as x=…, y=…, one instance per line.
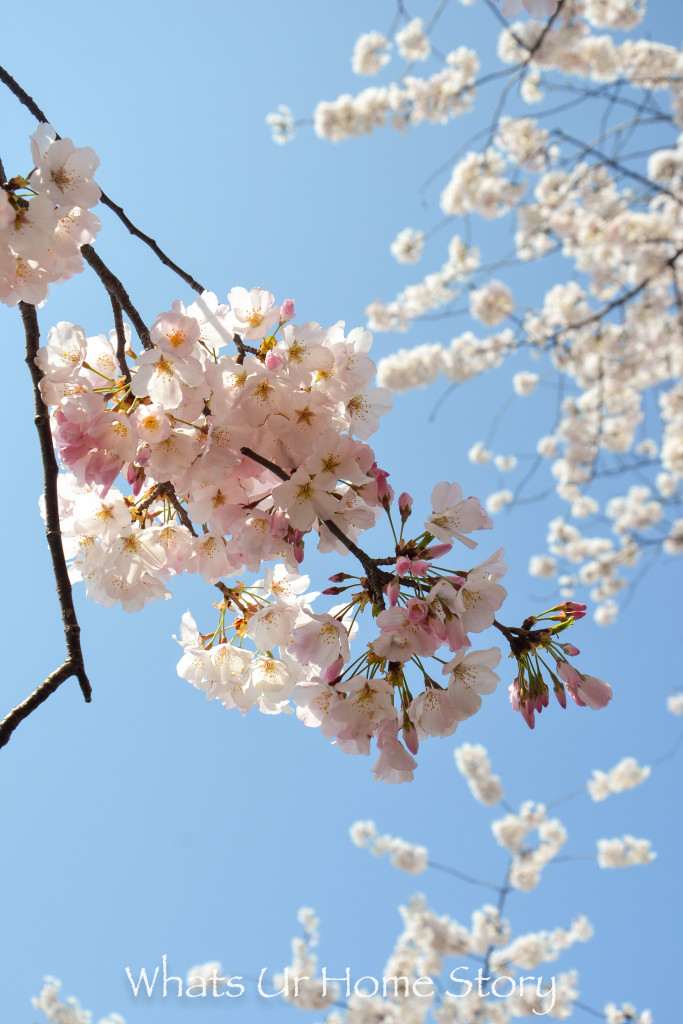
x=454, y=516
x=394, y=763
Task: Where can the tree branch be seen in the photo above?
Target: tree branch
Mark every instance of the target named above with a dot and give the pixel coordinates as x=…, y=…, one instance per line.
x=116, y=289
x=120, y=338
x=74, y=664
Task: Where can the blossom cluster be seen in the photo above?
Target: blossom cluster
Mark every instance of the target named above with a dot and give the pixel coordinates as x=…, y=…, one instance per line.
x=69, y=1011
x=233, y=462
x=613, y=331
x=624, y=852
x=625, y=775
x=472, y=762
x=528, y=861
x=403, y=855
x=46, y=217
x=429, y=942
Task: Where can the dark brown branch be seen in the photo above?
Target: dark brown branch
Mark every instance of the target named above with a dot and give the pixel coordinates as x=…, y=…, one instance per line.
x=120, y=338
x=167, y=490
x=40, y=694
x=39, y=115
x=158, y=252
x=242, y=349
x=115, y=288
x=74, y=664
x=265, y=463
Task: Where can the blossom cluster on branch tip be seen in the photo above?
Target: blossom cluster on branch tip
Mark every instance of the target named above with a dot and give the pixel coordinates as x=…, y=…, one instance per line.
x=530, y=693
x=625, y=775
x=233, y=462
x=45, y=218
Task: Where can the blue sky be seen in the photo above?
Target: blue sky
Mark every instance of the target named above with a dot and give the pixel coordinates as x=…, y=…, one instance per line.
x=152, y=823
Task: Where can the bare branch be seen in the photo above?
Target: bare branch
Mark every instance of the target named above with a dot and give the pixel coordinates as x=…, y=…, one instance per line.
x=74, y=664
x=120, y=338
x=115, y=288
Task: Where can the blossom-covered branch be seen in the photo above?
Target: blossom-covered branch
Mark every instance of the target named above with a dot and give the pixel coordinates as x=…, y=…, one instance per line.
x=616, y=218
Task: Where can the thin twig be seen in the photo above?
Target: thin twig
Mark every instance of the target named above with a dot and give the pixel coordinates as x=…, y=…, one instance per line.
x=465, y=878
x=39, y=695
x=120, y=338
x=74, y=664
x=40, y=116
x=167, y=490
x=115, y=288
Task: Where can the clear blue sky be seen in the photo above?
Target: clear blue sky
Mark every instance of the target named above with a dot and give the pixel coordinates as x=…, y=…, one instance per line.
x=150, y=822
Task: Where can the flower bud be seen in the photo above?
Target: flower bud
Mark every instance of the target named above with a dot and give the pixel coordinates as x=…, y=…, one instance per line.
x=437, y=550
x=561, y=694
x=286, y=310
x=405, y=505
x=274, y=360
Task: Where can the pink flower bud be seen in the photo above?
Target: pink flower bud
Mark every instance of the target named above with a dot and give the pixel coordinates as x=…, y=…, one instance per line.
x=286, y=310
x=561, y=694
x=528, y=715
x=526, y=709
x=405, y=505
x=570, y=650
x=437, y=550
x=274, y=360
x=135, y=477
x=577, y=611
x=513, y=690
x=402, y=565
x=278, y=525
x=385, y=492
x=410, y=737
x=419, y=567
x=392, y=591
x=296, y=540
x=339, y=577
